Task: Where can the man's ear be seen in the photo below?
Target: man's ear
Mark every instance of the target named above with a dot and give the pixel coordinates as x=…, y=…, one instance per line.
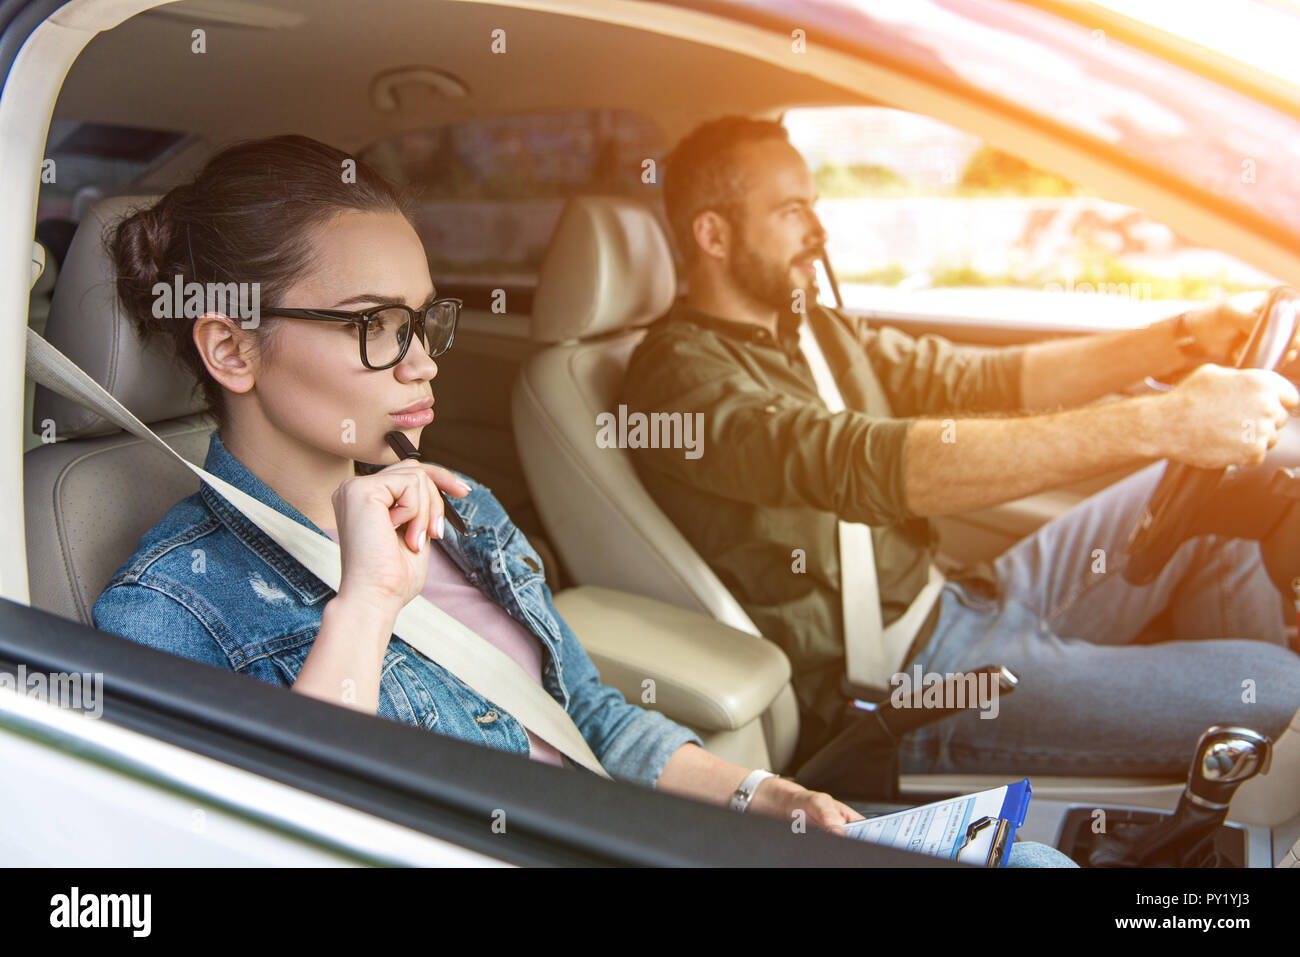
x=226, y=350
x=712, y=234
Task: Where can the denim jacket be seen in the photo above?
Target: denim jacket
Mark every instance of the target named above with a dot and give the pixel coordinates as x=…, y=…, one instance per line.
x=208, y=584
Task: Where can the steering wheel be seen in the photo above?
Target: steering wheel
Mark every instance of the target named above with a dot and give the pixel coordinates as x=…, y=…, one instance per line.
x=1184, y=489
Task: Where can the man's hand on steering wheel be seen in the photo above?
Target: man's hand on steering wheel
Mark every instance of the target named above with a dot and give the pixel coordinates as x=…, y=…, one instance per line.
x=1218, y=418
x=1221, y=331
x=1222, y=417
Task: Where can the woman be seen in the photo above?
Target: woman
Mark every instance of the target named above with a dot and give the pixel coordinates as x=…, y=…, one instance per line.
x=300, y=399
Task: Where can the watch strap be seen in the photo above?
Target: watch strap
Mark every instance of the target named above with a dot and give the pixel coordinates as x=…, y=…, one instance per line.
x=741, y=797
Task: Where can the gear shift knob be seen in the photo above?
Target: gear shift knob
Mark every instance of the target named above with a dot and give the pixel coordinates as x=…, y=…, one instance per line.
x=1226, y=758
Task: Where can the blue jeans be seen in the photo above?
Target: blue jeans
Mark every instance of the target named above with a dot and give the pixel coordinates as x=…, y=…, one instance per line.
x=1094, y=699
x=1034, y=854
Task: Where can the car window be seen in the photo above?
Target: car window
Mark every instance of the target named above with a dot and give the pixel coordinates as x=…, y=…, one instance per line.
x=489, y=191
x=926, y=219
x=84, y=161
x=1235, y=149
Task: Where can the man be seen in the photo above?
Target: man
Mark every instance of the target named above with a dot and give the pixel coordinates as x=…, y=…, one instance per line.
x=932, y=428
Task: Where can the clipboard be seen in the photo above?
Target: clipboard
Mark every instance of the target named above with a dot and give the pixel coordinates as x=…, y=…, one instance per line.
x=975, y=828
x=1015, y=806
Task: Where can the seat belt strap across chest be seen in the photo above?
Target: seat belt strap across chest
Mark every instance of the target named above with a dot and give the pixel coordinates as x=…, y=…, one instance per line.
x=421, y=624
x=872, y=653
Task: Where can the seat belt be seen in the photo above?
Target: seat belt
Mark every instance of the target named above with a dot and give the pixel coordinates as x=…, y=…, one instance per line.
x=872, y=654
x=421, y=624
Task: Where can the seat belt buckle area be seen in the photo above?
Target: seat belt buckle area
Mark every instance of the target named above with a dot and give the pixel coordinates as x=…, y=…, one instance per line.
x=871, y=694
x=861, y=761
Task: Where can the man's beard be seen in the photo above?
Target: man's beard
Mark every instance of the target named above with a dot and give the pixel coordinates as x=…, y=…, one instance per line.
x=764, y=281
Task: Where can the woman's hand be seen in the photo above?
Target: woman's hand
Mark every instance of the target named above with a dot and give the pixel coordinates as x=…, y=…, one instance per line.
x=384, y=521
x=695, y=773
x=780, y=797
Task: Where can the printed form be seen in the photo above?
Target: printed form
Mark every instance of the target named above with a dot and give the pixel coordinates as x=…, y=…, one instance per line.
x=941, y=829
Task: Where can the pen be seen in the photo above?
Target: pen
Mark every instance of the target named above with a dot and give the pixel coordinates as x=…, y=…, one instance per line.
x=403, y=448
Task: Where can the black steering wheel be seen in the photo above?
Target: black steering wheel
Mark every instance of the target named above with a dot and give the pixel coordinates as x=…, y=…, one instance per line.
x=1184, y=489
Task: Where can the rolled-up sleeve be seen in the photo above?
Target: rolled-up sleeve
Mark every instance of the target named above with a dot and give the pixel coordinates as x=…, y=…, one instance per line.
x=763, y=446
x=931, y=375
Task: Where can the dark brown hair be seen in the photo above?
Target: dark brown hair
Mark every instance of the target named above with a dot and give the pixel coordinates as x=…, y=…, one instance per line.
x=700, y=174
x=247, y=216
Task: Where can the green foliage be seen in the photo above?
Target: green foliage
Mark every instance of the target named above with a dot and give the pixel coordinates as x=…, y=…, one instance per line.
x=960, y=276
x=838, y=181
x=890, y=275
x=991, y=172
x=1107, y=272
x=1102, y=274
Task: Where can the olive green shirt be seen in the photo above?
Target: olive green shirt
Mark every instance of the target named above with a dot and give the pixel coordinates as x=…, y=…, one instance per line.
x=760, y=498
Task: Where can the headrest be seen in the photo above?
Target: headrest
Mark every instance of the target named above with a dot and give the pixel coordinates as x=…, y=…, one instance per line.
x=608, y=266
x=88, y=325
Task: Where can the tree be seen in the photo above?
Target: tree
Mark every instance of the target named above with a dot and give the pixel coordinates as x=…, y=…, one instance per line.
x=990, y=170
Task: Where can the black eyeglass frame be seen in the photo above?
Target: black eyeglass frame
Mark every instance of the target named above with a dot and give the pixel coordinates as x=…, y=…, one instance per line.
x=363, y=317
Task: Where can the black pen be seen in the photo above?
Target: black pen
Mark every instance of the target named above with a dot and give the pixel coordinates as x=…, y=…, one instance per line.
x=403, y=449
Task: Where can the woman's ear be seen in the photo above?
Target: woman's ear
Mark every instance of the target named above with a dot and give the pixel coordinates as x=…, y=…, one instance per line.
x=226, y=349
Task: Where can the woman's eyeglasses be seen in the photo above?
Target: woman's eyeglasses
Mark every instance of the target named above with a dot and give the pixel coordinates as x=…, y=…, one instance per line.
x=386, y=331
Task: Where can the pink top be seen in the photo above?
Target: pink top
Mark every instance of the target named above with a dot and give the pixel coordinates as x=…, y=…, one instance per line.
x=447, y=587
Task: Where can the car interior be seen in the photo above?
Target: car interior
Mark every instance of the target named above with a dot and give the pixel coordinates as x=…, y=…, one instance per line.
x=517, y=395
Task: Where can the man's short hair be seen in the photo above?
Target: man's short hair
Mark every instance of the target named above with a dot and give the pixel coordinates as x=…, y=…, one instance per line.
x=701, y=174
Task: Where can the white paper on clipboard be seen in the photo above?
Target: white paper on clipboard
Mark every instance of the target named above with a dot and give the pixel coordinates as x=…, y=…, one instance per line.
x=939, y=829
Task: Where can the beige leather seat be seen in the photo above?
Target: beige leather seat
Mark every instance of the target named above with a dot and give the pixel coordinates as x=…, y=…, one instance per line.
x=607, y=272
x=90, y=496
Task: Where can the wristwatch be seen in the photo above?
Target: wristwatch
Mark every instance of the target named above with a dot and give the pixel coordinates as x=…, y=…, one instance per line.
x=745, y=793
x=1187, y=343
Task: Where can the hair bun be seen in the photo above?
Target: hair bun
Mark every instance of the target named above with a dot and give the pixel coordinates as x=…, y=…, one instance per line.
x=138, y=246
x=144, y=235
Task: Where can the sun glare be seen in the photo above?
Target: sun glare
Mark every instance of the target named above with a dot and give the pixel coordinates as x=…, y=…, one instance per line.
x=1259, y=33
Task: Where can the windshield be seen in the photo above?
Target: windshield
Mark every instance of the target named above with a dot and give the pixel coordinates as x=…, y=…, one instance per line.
x=1260, y=34
x=1167, y=122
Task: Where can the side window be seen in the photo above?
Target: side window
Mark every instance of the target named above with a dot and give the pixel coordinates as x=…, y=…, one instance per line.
x=84, y=161
x=489, y=191
x=927, y=220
